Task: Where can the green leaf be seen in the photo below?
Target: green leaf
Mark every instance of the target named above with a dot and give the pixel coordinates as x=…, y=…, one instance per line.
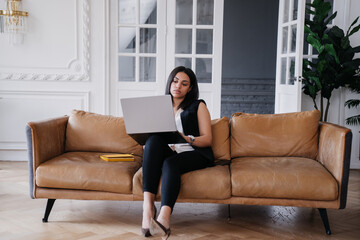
x=322, y=10
x=313, y=39
x=309, y=11
x=321, y=66
x=355, y=29
x=307, y=29
x=353, y=64
x=352, y=103
x=337, y=32
x=345, y=43
x=352, y=24
x=330, y=49
x=330, y=18
x=354, y=120
x=356, y=49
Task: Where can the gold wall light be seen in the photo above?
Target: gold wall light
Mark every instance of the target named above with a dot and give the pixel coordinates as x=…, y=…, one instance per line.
x=13, y=21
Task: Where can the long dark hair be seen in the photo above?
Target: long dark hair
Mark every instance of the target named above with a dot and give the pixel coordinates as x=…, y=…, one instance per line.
x=193, y=94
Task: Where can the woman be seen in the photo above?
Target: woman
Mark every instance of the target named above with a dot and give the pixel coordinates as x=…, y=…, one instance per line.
x=194, y=124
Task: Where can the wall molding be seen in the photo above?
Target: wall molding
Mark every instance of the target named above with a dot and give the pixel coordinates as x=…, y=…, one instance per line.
x=79, y=68
x=16, y=142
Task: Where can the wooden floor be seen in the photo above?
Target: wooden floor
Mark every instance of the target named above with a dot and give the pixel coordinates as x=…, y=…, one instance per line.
x=20, y=217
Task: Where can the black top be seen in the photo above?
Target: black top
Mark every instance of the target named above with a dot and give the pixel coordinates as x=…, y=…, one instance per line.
x=190, y=126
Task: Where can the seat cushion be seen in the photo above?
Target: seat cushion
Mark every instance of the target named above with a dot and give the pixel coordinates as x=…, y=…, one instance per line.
x=282, y=177
x=275, y=135
x=86, y=171
x=208, y=183
x=91, y=132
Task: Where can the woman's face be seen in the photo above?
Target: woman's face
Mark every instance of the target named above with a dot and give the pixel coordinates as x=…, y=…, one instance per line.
x=180, y=85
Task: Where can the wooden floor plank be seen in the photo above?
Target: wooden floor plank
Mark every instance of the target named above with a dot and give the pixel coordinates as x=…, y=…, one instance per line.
x=20, y=217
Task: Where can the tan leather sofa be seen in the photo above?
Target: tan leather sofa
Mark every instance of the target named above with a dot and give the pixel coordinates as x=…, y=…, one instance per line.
x=272, y=159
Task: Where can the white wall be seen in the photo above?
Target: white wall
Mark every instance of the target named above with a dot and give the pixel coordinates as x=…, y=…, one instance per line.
x=348, y=11
x=60, y=66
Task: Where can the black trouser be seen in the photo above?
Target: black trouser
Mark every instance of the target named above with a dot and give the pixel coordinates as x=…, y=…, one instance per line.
x=159, y=159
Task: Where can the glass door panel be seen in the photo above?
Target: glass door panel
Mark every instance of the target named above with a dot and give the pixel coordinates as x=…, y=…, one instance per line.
x=137, y=40
x=147, y=40
x=194, y=28
x=186, y=62
x=204, y=70
x=184, y=11
x=147, y=69
x=289, y=42
x=127, y=12
x=289, y=55
x=183, y=41
x=148, y=11
x=127, y=40
x=204, y=41
x=205, y=12
x=126, y=69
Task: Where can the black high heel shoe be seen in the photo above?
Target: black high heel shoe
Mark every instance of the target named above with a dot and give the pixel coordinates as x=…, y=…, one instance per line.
x=157, y=229
x=146, y=231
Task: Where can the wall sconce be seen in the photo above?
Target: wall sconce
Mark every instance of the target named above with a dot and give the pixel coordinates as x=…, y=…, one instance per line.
x=13, y=21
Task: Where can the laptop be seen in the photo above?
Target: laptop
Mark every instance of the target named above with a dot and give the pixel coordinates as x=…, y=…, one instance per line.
x=144, y=116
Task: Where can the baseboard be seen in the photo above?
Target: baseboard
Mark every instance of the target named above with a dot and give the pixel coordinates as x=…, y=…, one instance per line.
x=355, y=165
x=13, y=155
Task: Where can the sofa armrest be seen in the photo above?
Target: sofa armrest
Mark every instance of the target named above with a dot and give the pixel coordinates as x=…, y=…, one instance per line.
x=45, y=140
x=334, y=153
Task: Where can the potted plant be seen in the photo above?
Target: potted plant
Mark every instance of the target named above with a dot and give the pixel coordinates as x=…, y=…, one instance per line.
x=335, y=65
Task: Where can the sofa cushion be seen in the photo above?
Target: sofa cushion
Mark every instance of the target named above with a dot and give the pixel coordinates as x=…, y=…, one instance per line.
x=275, y=135
x=86, y=171
x=221, y=142
x=282, y=177
x=207, y=183
x=93, y=132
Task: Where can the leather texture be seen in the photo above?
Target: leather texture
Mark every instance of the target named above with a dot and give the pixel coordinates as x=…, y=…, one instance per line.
x=275, y=135
x=282, y=177
x=48, y=141
x=283, y=171
x=59, y=193
x=332, y=148
x=87, y=171
x=221, y=138
x=207, y=183
x=334, y=154
x=93, y=132
x=95, y=195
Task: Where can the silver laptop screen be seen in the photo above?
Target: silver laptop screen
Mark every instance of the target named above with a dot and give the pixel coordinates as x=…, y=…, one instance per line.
x=148, y=114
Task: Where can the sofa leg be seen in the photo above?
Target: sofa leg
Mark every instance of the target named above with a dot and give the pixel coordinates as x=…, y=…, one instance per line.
x=229, y=215
x=49, y=205
x=325, y=220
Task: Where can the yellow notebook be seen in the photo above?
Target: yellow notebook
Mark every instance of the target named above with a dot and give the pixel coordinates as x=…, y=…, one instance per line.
x=118, y=157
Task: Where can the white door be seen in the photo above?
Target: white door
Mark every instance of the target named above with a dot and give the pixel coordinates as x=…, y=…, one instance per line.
x=289, y=56
x=137, y=52
x=195, y=29
x=148, y=38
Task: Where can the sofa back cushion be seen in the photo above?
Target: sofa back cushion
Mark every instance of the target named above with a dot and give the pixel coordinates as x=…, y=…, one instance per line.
x=93, y=132
x=271, y=135
x=221, y=138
